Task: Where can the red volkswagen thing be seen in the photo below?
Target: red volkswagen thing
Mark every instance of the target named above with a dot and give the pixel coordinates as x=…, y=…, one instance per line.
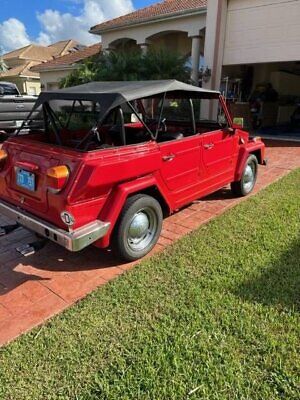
x=114, y=157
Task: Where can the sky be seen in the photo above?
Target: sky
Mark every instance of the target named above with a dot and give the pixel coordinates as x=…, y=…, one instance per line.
x=48, y=21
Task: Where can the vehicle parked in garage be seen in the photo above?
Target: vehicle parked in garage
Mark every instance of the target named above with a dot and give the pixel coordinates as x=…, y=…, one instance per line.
x=113, y=157
x=15, y=108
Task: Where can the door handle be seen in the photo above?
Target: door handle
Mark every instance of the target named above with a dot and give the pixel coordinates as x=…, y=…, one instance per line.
x=209, y=146
x=169, y=157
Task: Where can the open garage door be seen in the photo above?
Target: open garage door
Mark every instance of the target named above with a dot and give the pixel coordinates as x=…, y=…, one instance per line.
x=262, y=31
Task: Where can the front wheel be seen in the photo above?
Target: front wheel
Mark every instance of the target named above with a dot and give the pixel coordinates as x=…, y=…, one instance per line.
x=139, y=227
x=246, y=184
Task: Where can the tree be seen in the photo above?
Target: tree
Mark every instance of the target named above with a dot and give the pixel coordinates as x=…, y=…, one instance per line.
x=130, y=66
x=83, y=74
x=163, y=64
x=119, y=66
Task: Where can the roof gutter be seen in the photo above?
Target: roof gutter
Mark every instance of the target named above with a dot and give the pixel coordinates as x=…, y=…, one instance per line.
x=58, y=68
x=28, y=77
x=185, y=13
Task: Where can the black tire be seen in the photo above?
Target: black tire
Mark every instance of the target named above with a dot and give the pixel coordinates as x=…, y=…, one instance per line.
x=246, y=184
x=138, y=228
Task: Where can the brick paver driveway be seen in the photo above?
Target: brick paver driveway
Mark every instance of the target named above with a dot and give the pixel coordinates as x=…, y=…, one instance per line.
x=35, y=288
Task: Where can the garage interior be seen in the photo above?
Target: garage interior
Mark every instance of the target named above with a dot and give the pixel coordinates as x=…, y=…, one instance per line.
x=261, y=65
x=266, y=96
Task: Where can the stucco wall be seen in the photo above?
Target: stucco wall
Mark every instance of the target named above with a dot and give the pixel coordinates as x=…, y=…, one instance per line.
x=31, y=87
x=262, y=31
x=50, y=79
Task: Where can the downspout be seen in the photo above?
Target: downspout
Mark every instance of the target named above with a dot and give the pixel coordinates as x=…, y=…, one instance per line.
x=221, y=4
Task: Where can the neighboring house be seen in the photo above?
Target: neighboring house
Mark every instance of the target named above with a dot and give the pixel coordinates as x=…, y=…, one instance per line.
x=53, y=71
x=20, y=62
x=243, y=42
x=28, y=82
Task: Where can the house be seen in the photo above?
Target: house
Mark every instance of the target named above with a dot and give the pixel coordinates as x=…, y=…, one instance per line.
x=51, y=72
x=178, y=25
x=20, y=62
x=244, y=43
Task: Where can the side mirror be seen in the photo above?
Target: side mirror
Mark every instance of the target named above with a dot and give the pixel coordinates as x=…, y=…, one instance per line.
x=238, y=122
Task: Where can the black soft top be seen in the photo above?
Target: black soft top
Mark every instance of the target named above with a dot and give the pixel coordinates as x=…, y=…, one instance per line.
x=113, y=94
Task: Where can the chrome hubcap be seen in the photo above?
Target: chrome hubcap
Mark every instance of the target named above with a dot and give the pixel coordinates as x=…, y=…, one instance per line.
x=142, y=229
x=249, y=177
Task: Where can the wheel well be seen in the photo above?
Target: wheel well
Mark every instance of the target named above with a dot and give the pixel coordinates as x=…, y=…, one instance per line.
x=155, y=193
x=257, y=154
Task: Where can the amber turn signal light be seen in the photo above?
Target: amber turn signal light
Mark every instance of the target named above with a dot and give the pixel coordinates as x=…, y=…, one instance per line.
x=3, y=155
x=57, y=177
x=3, y=158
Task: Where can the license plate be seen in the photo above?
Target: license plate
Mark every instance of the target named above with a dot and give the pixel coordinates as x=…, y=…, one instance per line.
x=26, y=180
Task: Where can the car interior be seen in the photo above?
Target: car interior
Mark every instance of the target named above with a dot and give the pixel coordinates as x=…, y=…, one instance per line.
x=75, y=124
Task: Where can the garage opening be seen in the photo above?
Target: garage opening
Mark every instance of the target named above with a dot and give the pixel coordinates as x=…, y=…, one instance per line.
x=265, y=98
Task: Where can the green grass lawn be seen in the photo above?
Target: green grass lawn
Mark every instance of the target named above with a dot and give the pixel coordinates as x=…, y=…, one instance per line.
x=216, y=316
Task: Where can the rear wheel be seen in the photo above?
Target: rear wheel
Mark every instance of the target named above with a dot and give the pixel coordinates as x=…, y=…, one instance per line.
x=246, y=184
x=139, y=227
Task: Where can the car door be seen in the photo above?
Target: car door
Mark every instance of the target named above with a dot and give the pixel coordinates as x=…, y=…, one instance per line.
x=218, y=151
x=180, y=165
x=180, y=148
x=218, y=147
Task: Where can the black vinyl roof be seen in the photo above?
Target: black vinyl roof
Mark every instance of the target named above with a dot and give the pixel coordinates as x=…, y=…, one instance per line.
x=113, y=94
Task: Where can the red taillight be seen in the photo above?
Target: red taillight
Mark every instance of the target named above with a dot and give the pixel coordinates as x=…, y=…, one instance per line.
x=57, y=177
x=3, y=158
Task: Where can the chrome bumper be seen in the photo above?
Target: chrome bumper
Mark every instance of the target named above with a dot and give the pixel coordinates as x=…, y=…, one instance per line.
x=74, y=241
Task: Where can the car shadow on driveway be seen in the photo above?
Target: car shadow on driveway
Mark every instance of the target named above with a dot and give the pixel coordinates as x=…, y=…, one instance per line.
x=222, y=194
x=53, y=263
x=279, y=283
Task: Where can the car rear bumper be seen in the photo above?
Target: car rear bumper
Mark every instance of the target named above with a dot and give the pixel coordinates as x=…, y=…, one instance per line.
x=75, y=240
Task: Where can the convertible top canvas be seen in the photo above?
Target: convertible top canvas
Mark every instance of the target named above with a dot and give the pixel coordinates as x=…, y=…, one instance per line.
x=113, y=94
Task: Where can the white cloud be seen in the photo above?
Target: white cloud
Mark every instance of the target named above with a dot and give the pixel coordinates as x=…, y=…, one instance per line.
x=13, y=35
x=57, y=26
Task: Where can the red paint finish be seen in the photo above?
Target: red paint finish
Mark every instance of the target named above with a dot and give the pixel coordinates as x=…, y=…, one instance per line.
x=100, y=181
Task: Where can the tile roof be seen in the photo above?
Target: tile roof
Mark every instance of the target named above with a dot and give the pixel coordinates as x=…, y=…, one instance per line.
x=41, y=53
x=30, y=52
x=21, y=70
x=63, y=47
x=150, y=13
x=69, y=59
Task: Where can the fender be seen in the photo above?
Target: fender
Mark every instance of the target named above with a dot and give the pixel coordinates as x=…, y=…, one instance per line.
x=244, y=152
x=116, y=200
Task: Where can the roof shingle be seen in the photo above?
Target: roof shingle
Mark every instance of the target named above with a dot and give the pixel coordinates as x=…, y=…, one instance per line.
x=69, y=59
x=152, y=12
x=42, y=53
x=21, y=70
